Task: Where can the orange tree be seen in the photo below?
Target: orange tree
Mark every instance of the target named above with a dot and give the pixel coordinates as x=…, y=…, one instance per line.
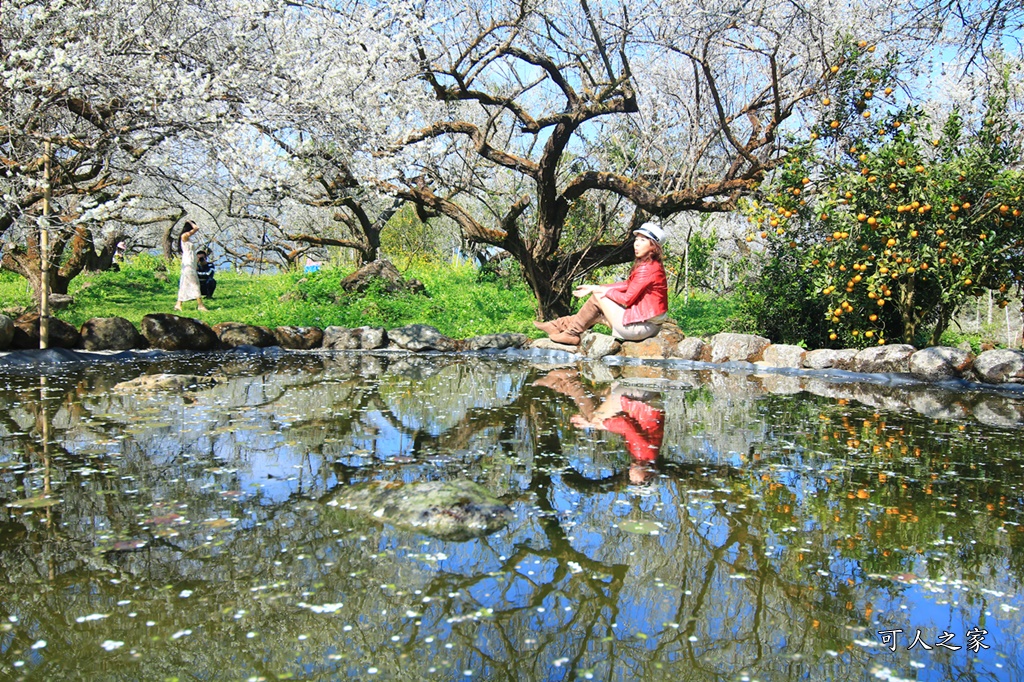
x=894, y=220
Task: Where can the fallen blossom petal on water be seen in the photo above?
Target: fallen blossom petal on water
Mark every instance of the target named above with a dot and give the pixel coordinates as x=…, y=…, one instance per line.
x=321, y=608
x=91, y=616
x=110, y=645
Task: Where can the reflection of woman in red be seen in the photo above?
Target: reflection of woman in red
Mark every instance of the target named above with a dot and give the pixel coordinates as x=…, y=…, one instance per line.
x=623, y=412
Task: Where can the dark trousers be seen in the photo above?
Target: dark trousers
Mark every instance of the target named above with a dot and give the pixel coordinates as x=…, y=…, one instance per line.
x=206, y=287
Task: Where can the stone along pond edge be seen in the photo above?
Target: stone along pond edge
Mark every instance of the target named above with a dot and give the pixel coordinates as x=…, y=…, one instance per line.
x=115, y=338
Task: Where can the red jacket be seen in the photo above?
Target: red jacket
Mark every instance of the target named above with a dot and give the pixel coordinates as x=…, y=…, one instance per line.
x=644, y=295
x=642, y=426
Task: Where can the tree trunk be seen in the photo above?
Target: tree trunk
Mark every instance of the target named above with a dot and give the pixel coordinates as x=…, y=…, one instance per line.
x=98, y=261
x=26, y=261
x=167, y=242
x=554, y=299
x=907, y=312
x=940, y=325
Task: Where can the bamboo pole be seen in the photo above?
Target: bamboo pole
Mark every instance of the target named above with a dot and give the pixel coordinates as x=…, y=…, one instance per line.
x=44, y=253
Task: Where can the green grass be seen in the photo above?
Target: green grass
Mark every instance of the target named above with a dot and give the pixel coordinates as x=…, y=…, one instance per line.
x=704, y=315
x=456, y=302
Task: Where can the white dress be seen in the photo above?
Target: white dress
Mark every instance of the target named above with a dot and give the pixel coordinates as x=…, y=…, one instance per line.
x=188, y=285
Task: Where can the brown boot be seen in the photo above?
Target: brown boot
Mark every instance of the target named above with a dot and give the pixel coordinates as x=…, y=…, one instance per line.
x=552, y=326
x=589, y=315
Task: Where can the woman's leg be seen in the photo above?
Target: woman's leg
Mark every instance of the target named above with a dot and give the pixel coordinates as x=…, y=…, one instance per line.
x=589, y=315
x=637, y=331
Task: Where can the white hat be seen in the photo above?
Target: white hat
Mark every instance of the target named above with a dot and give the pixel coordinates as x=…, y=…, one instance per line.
x=652, y=231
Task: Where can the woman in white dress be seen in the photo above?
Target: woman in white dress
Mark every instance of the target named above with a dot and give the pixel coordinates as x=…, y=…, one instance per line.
x=188, y=285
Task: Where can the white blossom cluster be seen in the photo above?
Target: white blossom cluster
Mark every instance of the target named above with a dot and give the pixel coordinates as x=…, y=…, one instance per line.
x=271, y=111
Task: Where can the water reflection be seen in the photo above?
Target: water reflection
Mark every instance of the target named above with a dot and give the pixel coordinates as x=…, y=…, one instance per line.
x=623, y=410
x=669, y=524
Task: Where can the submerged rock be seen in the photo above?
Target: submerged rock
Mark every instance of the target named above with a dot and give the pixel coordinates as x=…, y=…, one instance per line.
x=450, y=510
x=166, y=382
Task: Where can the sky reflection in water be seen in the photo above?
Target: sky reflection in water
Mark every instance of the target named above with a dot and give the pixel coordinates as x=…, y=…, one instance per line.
x=668, y=524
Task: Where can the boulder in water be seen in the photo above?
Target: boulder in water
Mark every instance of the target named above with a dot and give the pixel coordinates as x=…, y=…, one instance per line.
x=450, y=510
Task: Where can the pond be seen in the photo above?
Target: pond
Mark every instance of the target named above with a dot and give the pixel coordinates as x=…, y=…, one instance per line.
x=666, y=523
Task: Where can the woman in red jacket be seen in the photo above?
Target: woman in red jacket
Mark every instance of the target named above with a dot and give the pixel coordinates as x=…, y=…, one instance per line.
x=634, y=309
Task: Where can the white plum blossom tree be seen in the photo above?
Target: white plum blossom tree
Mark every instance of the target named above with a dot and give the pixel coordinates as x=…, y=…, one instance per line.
x=663, y=106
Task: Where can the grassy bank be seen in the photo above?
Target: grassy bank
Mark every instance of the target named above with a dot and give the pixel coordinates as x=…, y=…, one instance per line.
x=457, y=302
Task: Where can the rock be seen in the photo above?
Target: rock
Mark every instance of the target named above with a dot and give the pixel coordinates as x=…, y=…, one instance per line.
x=547, y=344
x=359, y=338
x=939, y=362
x=780, y=384
x=729, y=347
x=166, y=382
x=382, y=271
x=233, y=334
x=497, y=341
x=884, y=359
x=690, y=348
x=826, y=358
x=595, y=346
x=26, y=333
x=110, y=333
x=784, y=355
x=171, y=332
x=598, y=373
x=966, y=347
x=661, y=346
x=6, y=332
x=60, y=301
x=996, y=411
x=939, y=405
x=451, y=510
x=299, y=338
x=1000, y=366
x=420, y=337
